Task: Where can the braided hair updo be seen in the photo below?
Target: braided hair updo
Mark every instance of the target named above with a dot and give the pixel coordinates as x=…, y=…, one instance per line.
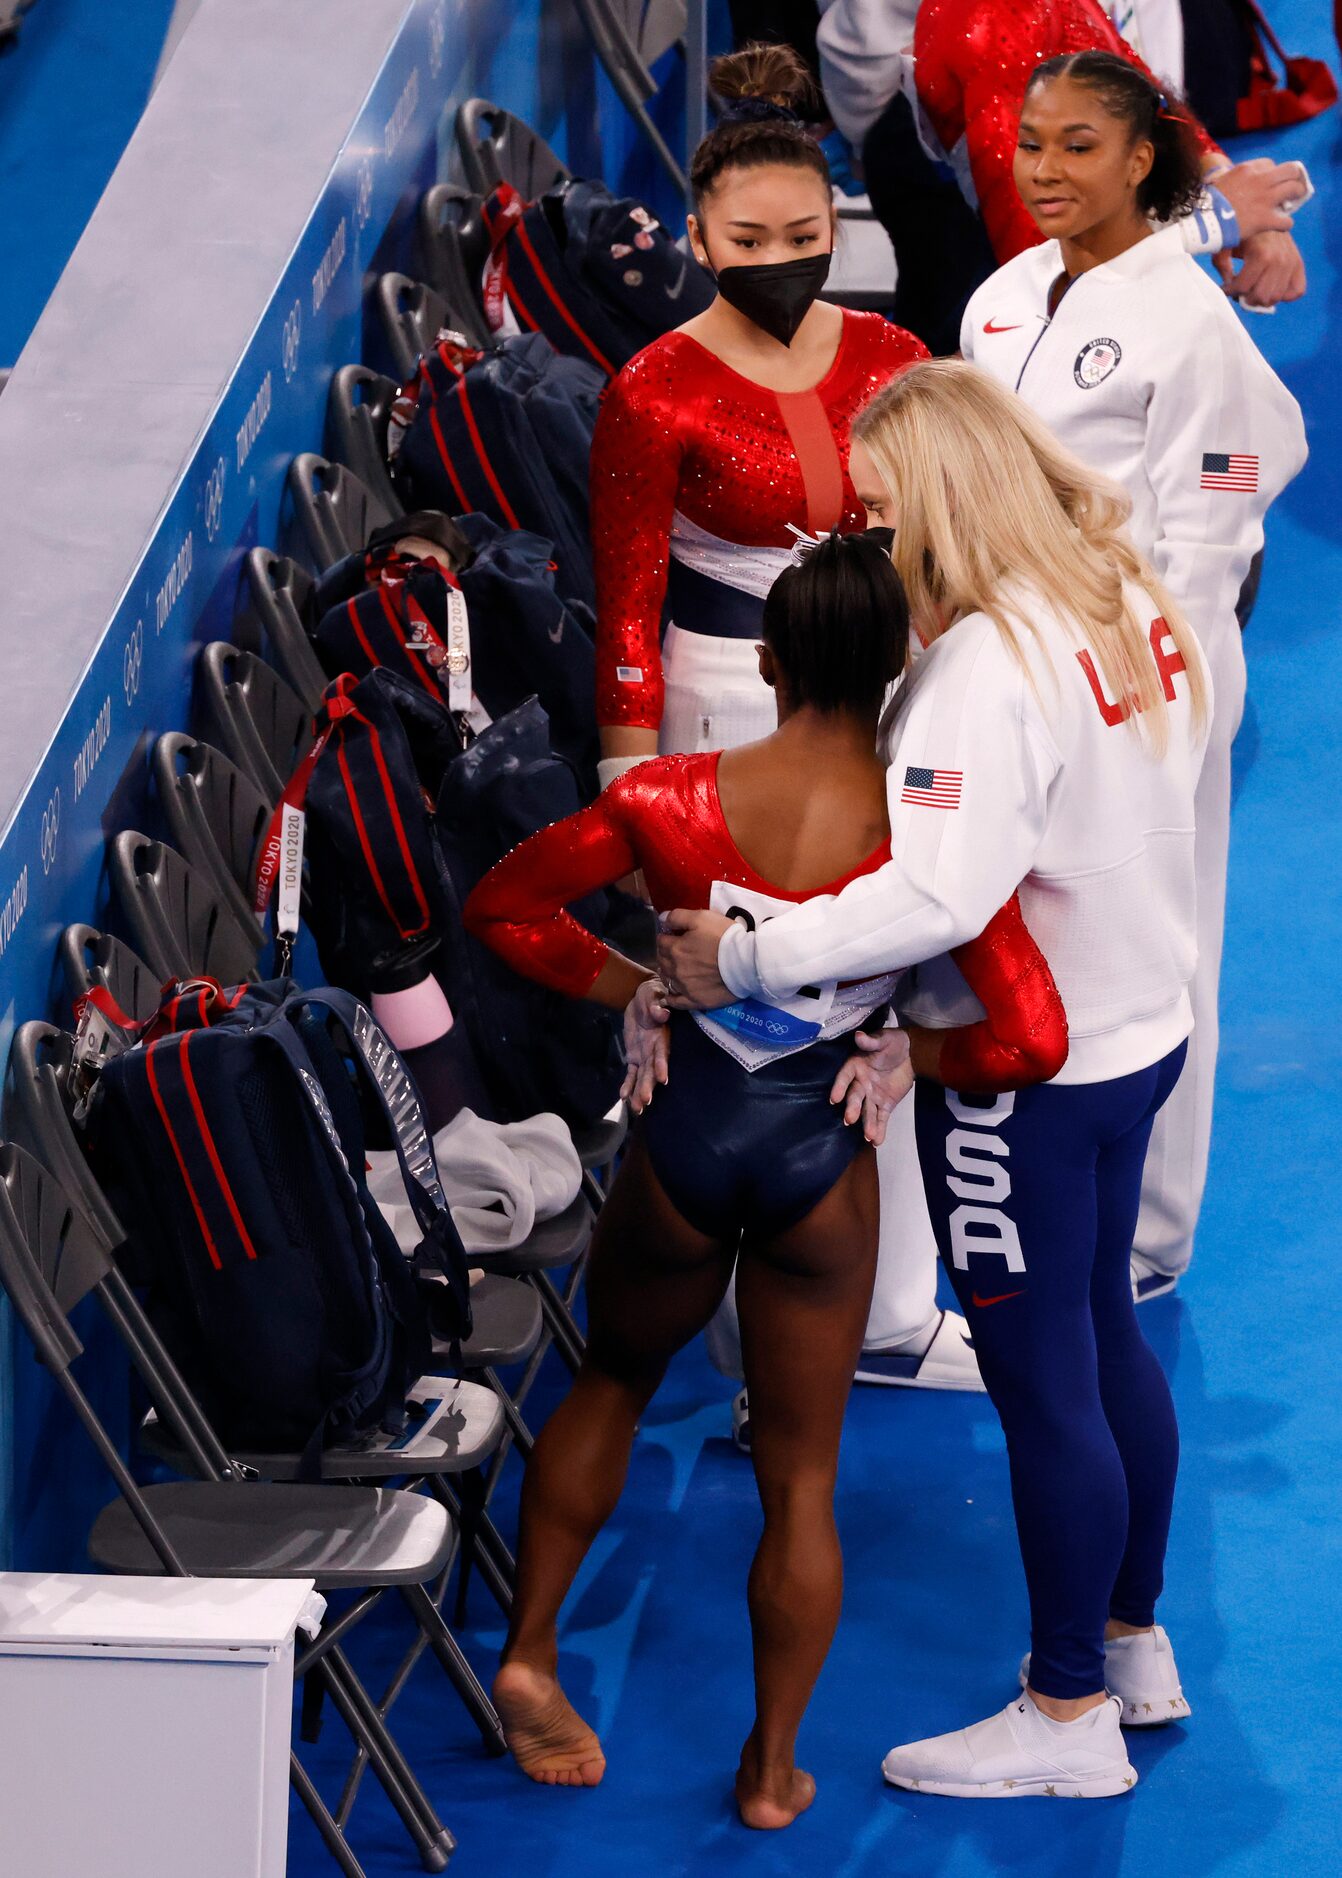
x=1174, y=184
x=765, y=90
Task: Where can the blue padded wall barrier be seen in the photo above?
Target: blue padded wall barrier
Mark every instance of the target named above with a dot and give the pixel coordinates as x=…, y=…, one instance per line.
x=182, y=361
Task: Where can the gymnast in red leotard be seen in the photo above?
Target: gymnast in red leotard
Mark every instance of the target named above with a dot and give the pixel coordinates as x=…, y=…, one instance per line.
x=722, y=437
x=743, y=1159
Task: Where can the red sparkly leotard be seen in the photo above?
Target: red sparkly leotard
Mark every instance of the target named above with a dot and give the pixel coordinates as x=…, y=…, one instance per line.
x=679, y=430
x=666, y=818
x=973, y=60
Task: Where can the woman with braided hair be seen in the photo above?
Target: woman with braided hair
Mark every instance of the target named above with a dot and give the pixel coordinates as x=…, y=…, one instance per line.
x=757, y=1151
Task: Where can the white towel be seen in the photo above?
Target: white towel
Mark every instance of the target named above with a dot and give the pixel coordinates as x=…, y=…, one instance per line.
x=500, y=1178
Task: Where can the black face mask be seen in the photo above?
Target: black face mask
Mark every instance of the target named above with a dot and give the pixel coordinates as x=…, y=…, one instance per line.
x=776, y=296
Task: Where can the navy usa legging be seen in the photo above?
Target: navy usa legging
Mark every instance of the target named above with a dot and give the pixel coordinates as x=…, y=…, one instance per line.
x=1033, y=1197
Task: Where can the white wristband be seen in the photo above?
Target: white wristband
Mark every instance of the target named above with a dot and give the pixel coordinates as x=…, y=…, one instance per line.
x=610, y=767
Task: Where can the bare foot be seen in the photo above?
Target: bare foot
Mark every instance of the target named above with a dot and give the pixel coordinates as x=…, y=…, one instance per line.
x=768, y=1804
x=550, y=1741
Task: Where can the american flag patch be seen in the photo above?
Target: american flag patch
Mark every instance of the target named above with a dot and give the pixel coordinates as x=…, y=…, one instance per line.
x=629, y=674
x=1228, y=470
x=932, y=788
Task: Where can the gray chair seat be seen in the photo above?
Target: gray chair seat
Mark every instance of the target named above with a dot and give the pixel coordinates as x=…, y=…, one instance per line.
x=507, y=1323
x=462, y=1427
x=341, y=1536
x=552, y=1243
x=599, y=1143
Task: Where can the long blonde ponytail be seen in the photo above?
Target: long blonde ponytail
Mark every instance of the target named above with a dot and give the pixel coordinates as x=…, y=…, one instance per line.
x=986, y=501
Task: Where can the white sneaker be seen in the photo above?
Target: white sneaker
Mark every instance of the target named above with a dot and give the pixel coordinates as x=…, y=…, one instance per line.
x=948, y=1362
x=1148, y=1281
x=1142, y=1673
x=1020, y=1754
x=741, y=1420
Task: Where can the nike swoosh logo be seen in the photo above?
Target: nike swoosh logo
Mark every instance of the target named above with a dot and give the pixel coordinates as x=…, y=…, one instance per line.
x=556, y=632
x=988, y=327
x=674, y=293
x=1001, y=1298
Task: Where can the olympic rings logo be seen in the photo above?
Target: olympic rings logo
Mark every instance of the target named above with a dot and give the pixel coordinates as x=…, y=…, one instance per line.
x=132, y=662
x=51, y=824
x=293, y=332
x=213, y=503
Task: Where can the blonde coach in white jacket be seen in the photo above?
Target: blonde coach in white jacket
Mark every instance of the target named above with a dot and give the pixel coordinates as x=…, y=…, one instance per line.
x=1051, y=735
x=1135, y=359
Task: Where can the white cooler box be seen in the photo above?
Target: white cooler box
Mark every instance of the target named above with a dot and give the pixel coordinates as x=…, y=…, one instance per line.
x=144, y=1725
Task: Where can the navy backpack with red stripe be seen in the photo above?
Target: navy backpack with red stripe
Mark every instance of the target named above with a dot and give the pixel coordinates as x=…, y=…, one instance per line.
x=520, y=638
x=508, y=434
x=234, y=1135
x=596, y=273
x=375, y=901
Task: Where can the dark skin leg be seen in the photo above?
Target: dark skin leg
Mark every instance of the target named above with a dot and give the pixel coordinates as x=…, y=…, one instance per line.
x=653, y=1284
x=803, y=1300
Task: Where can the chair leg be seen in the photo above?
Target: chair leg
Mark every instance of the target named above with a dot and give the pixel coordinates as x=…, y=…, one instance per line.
x=521, y=1434
x=569, y=1340
x=359, y=1766
x=463, y=1678
x=431, y=1838
x=332, y=1837
x=491, y=1556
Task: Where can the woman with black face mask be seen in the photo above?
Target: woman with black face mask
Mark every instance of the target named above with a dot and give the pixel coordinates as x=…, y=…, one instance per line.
x=719, y=436
x=714, y=445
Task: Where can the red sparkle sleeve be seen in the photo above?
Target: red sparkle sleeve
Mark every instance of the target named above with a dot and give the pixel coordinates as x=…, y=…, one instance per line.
x=1023, y=1038
x=636, y=461
x=518, y=909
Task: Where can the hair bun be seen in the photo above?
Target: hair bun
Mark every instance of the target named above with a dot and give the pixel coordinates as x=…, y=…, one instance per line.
x=760, y=75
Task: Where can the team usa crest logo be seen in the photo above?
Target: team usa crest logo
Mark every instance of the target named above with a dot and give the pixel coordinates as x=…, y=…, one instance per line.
x=1095, y=362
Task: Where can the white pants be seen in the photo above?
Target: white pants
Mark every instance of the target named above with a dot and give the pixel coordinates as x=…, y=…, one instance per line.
x=1176, y=1161
x=715, y=699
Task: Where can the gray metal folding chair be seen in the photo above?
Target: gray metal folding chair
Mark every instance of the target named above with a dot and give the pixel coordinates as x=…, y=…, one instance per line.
x=176, y=915
x=358, y=410
x=39, y=1096
x=355, y=1539
x=280, y=589
x=336, y=509
x=496, y=147
x=252, y=715
x=412, y=316
x=89, y=957
x=216, y=816
x=454, y=246
x=629, y=37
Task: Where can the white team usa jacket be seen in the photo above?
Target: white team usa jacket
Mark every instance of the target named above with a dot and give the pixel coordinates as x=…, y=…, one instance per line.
x=1006, y=776
x=1146, y=374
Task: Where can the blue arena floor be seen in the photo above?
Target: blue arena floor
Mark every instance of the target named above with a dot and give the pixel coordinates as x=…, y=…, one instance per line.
x=655, y=1648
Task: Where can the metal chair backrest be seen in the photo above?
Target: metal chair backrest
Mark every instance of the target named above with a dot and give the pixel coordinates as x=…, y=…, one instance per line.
x=280, y=589
x=216, y=816
x=89, y=957
x=253, y=715
x=358, y=411
x=412, y=317
x=652, y=28
x=175, y=915
x=336, y=509
x=38, y=1099
x=38, y=1119
x=497, y=147
x=454, y=247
